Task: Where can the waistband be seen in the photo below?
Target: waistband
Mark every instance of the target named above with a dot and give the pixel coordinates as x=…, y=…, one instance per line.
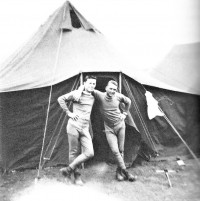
x=79, y=121
x=110, y=124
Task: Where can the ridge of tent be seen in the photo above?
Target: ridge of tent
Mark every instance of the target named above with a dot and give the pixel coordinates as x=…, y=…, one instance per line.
x=73, y=19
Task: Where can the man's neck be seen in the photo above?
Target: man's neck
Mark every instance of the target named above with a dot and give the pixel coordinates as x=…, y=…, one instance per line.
x=87, y=92
x=108, y=97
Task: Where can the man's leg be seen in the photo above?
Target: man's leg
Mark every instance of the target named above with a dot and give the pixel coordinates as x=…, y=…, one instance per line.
x=87, y=149
x=87, y=152
x=74, y=149
x=120, y=131
x=113, y=144
x=112, y=138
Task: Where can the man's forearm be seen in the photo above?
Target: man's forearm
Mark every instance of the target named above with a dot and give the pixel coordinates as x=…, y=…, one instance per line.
x=62, y=103
x=81, y=88
x=127, y=105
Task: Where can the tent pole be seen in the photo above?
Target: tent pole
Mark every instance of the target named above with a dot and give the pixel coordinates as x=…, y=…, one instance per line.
x=81, y=83
x=48, y=109
x=120, y=82
x=50, y=93
x=81, y=78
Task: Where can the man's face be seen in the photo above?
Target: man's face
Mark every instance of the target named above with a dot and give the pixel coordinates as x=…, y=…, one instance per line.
x=90, y=84
x=111, y=89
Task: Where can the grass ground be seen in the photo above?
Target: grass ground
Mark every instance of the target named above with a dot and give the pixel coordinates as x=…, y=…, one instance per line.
x=100, y=184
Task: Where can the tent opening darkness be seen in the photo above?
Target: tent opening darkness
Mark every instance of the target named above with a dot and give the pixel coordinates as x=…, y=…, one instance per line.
x=74, y=20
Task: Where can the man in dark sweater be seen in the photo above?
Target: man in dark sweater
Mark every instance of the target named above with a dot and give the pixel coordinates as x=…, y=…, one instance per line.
x=79, y=138
x=114, y=124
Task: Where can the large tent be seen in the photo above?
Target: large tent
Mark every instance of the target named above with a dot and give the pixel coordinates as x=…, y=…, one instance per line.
x=55, y=60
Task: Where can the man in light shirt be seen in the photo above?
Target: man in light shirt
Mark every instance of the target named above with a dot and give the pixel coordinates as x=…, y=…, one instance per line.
x=79, y=138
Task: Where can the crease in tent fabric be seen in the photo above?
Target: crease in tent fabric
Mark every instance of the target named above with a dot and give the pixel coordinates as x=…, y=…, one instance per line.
x=54, y=145
x=50, y=93
x=141, y=119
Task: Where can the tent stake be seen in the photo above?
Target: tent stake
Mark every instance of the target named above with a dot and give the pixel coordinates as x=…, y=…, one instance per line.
x=166, y=174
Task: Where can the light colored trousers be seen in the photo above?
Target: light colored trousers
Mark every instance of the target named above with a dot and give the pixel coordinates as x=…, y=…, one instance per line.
x=115, y=135
x=80, y=142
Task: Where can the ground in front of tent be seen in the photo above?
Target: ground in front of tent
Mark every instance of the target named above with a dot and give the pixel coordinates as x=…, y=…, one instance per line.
x=100, y=184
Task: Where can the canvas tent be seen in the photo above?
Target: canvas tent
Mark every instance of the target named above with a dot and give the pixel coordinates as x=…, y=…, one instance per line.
x=179, y=70
x=65, y=49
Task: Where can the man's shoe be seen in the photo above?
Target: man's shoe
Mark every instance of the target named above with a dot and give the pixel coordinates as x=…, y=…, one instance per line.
x=77, y=179
x=66, y=172
x=129, y=176
x=119, y=174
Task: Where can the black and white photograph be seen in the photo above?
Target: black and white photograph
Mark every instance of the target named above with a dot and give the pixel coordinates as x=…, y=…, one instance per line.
x=99, y=100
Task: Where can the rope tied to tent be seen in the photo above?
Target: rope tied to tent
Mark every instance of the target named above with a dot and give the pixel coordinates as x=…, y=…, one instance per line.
x=48, y=108
x=49, y=100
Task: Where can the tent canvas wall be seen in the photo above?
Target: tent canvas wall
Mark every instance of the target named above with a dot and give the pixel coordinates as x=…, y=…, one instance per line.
x=49, y=66
x=182, y=64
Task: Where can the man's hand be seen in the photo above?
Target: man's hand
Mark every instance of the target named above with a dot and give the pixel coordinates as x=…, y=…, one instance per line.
x=77, y=95
x=122, y=116
x=73, y=116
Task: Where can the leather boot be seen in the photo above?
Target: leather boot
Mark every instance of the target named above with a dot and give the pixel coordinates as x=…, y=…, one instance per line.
x=67, y=173
x=119, y=175
x=77, y=178
x=128, y=176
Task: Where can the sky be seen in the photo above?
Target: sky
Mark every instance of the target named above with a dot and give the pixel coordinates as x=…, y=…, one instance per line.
x=143, y=31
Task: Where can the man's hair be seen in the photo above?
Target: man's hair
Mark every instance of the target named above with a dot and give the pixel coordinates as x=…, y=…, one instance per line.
x=90, y=77
x=113, y=82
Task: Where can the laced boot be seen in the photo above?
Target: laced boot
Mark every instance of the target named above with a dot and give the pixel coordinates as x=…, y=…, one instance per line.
x=77, y=178
x=67, y=172
x=128, y=176
x=119, y=175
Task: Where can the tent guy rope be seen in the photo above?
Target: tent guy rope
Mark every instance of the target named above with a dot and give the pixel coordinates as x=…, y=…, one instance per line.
x=49, y=101
x=46, y=155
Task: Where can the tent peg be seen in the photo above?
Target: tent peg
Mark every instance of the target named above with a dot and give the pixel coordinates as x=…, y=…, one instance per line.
x=166, y=174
